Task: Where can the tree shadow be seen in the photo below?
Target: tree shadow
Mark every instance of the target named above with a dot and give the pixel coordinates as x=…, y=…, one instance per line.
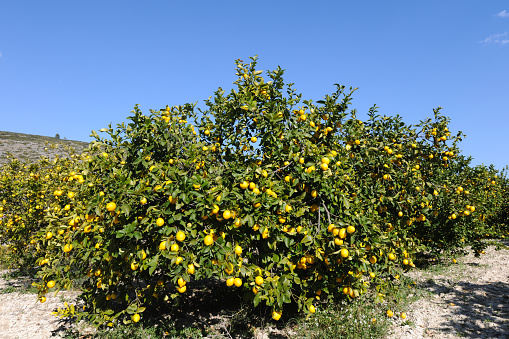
x=209, y=308
x=478, y=310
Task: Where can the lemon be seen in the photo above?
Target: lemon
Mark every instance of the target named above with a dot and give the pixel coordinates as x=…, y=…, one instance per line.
x=111, y=206
x=180, y=236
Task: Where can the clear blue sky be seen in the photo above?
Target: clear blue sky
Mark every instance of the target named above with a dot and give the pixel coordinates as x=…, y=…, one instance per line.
x=70, y=67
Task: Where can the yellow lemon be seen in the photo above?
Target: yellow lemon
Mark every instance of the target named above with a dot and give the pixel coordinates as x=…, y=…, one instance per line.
x=208, y=240
x=111, y=206
x=180, y=236
x=276, y=315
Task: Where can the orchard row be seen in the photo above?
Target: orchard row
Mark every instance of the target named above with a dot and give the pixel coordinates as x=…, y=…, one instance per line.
x=289, y=200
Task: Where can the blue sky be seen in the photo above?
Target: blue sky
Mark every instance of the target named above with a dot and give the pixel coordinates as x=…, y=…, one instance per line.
x=70, y=67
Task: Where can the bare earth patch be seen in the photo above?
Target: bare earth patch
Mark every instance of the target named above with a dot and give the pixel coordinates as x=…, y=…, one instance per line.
x=24, y=317
x=467, y=300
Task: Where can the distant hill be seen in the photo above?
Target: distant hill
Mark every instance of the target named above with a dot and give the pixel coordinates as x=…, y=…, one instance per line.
x=32, y=147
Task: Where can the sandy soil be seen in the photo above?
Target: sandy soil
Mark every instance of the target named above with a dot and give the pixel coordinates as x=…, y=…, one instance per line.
x=467, y=300
x=23, y=317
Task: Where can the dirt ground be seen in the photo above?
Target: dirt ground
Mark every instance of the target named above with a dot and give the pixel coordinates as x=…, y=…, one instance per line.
x=467, y=300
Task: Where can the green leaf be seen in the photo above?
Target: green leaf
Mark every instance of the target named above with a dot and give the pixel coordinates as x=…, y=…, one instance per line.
x=307, y=240
x=126, y=209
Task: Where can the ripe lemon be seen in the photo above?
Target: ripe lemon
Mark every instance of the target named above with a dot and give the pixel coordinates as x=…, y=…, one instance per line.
x=237, y=282
x=136, y=317
x=344, y=253
x=208, y=240
x=190, y=269
x=244, y=185
x=392, y=256
x=342, y=233
x=67, y=248
x=174, y=248
x=180, y=236
x=42, y=299
x=160, y=222
x=49, y=235
x=403, y=315
x=238, y=250
x=182, y=289
x=288, y=208
x=372, y=259
x=276, y=315
x=338, y=241
x=162, y=245
x=111, y=206
x=51, y=284
x=227, y=214
x=134, y=266
x=350, y=229
x=324, y=167
x=390, y=313
x=143, y=255
x=312, y=309
x=181, y=282
x=229, y=281
x=254, y=139
x=259, y=280
x=143, y=201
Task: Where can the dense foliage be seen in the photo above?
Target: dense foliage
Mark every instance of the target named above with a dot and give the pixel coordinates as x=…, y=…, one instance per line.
x=290, y=200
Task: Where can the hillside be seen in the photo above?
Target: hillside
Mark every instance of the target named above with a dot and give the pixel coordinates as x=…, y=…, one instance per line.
x=32, y=147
